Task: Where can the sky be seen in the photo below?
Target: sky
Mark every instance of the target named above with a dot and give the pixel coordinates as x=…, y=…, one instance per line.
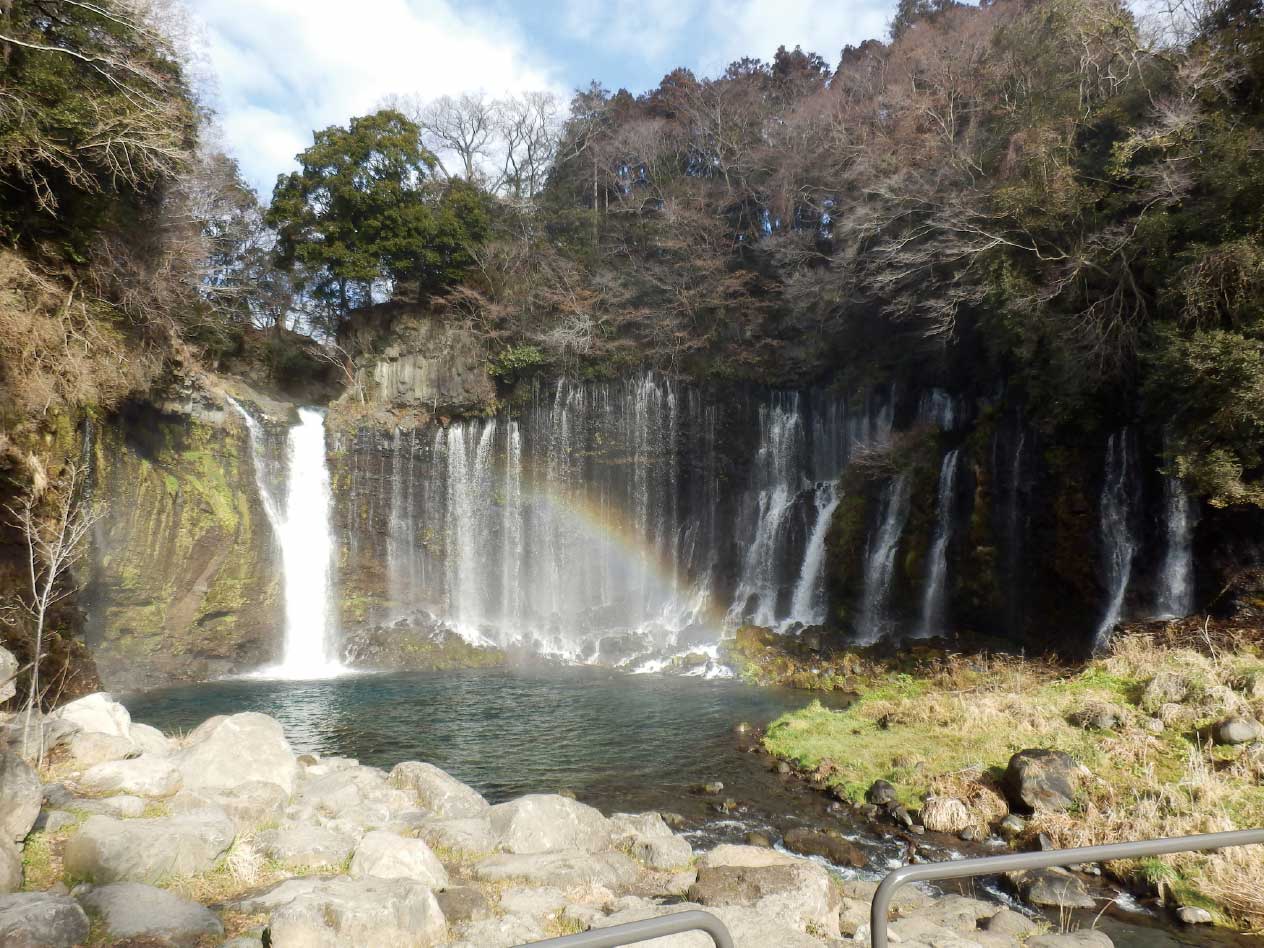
x=281, y=68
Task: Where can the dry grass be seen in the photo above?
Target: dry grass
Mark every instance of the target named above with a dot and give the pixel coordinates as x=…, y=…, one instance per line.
x=951, y=731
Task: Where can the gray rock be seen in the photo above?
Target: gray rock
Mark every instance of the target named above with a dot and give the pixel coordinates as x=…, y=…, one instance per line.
x=152, y=777
x=463, y=903
x=97, y=713
x=462, y=835
x=56, y=820
x=756, y=838
x=506, y=932
x=131, y=910
x=880, y=793
x=1193, y=915
x=355, y=912
x=248, y=805
x=1040, y=780
x=1009, y=922
x=647, y=837
x=1081, y=939
x=41, y=920
x=749, y=857
x=10, y=867
x=263, y=901
x=314, y=847
x=41, y=735
x=1055, y=888
x=809, y=842
x=124, y=806
x=362, y=794
x=88, y=748
x=239, y=749
x=383, y=855
x=204, y=730
x=535, y=901
x=801, y=896
x=109, y=850
x=559, y=868
x=1238, y=730
x=434, y=790
x=21, y=796
x=1012, y=827
x=540, y=822
x=151, y=741
x=8, y=675
x=245, y=941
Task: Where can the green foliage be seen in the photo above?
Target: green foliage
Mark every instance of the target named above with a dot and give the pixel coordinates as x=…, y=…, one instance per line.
x=517, y=362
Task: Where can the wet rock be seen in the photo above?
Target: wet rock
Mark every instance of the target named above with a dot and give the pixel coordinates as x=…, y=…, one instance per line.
x=880, y=793
x=1012, y=827
x=434, y=790
x=802, y=896
x=109, y=850
x=1040, y=780
x=1193, y=915
x=970, y=835
x=382, y=855
x=21, y=796
x=344, y=911
x=900, y=815
x=727, y=805
x=470, y=835
x=1054, y=888
x=809, y=842
x=709, y=789
x=239, y=749
x=314, y=847
x=132, y=911
x=41, y=920
x=674, y=820
x=152, y=777
x=563, y=868
x=463, y=903
x=540, y=822
x=756, y=838
x=98, y=714
x=782, y=768
x=10, y=867
x=1238, y=730
x=945, y=815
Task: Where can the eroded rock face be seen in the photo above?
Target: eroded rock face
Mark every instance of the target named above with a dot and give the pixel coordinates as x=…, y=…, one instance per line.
x=240, y=749
x=436, y=791
x=539, y=822
x=1041, y=780
x=41, y=920
x=130, y=910
x=354, y=912
x=110, y=850
x=20, y=797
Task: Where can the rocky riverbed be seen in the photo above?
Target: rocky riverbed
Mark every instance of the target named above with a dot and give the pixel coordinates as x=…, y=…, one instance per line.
x=227, y=836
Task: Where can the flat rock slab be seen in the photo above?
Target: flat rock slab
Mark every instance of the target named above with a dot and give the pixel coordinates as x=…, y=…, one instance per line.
x=110, y=850
x=750, y=857
x=355, y=912
x=152, y=777
x=560, y=868
x=131, y=910
x=462, y=835
x=1053, y=887
x=541, y=822
x=304, y=845
x=383, y=855
x=437, y=791
x=41, y=920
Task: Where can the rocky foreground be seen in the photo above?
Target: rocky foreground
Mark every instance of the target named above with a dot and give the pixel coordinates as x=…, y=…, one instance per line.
x=226, y=836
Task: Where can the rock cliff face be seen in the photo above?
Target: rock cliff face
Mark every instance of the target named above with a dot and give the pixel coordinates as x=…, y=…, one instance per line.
x=183, y=585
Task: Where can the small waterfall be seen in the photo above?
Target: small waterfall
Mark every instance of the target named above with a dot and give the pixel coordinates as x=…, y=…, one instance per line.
x=808, y=605
x=1176, y=577
x=938, y=408
x=302, y=529
x=1119, y=544
x=933, y=598
x=880, y=559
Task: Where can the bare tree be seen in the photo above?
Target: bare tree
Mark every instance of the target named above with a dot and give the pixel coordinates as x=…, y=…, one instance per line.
x=529, y=129
x=54, y=533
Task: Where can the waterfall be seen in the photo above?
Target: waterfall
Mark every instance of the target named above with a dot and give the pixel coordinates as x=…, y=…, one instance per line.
x=808, y=605
x=880, y=559
x=1176, y=576
x=302, y=530
x=1119, y=543
x=933, y=597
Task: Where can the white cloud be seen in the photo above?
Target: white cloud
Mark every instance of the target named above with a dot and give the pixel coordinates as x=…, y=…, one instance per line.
x=286, y=67
x=757, y=27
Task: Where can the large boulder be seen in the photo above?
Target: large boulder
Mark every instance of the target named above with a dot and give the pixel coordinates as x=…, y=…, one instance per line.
x=41, y=920
x=151, y=741
x=8, y=675
x=468, y=835
x=313, y=847
x=383, y=855
x=434, y=790
x=542, y=822
x=89, y=748
x=239, y=749
x=801, y=897
x=361, y=794
x=559, y=868
x=1041, y=780
x=132, y=911
x=20, y=797
x=1052, y=888
x=152, y=777
x=248, y=805
x=745, y=857
x=10, y=867
x=97, y=713
x=110, y=850
x=355, y=912
x=1238, y=730
x=650, y=840
x=831, y=846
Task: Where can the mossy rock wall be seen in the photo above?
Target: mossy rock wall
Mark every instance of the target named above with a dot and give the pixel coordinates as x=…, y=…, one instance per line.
x=184, y=584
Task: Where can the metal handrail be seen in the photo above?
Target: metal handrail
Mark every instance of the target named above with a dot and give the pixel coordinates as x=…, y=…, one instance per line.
x=633, y=932
x=991, y=865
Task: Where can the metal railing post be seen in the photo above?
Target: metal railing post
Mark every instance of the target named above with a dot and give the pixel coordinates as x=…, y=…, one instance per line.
x=995, y=865
x=644, y=930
